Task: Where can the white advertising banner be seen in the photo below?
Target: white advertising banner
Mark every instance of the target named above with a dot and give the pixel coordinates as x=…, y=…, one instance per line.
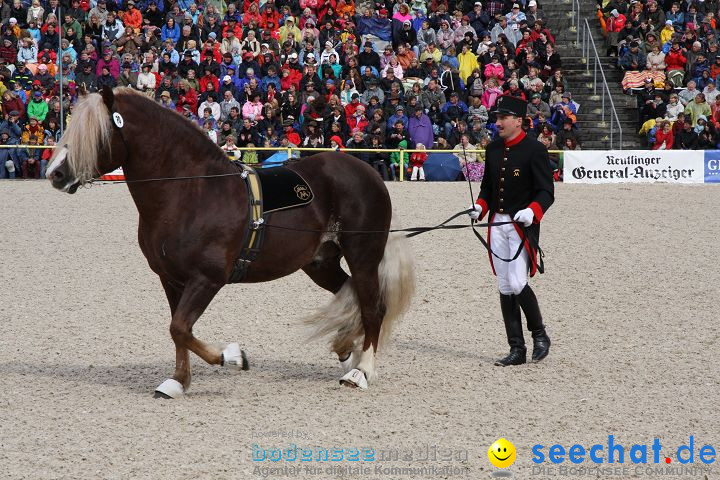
x=634, y=166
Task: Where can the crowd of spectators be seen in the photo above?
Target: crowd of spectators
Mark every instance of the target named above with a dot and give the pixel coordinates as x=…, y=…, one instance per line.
x=668, y=51
x=282, y=73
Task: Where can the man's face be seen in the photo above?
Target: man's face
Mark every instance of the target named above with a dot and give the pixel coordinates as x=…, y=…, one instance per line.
x=508, y=125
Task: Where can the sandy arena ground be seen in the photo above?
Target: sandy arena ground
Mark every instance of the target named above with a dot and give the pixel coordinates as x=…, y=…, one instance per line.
x=630, y=300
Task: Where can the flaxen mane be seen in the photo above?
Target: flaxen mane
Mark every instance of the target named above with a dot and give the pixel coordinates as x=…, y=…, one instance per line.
x=87, y=134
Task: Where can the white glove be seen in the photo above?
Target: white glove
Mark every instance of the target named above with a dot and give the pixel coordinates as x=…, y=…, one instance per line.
x=525, y=217
x=475, y=212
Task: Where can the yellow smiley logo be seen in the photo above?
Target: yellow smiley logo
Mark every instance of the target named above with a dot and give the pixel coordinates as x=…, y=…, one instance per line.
x=502, y=453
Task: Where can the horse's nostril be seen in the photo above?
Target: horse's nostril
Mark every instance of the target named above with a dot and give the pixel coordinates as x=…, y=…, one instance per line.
x=58, y=175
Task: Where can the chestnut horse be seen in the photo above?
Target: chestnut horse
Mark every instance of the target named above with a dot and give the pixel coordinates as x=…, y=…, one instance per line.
x=193, y=220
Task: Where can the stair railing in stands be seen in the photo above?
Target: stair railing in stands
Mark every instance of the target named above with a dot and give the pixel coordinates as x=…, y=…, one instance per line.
x=575, y=20
x=590, y=55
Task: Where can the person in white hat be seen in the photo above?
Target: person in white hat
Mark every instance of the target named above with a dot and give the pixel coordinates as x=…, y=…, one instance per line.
x=327, y=52
x=532, y=13
x=515, y=16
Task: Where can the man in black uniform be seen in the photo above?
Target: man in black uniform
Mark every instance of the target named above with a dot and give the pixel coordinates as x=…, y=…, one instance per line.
x=517, y=185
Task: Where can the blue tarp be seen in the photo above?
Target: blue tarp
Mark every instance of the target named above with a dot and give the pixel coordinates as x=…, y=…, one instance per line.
x=380, y=27
x=277, y=159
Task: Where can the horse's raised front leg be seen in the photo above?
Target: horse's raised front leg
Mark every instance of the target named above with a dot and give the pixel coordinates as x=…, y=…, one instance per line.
x=189, y=303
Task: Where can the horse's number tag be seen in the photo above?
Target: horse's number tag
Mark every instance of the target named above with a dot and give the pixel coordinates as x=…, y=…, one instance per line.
x=117, y=118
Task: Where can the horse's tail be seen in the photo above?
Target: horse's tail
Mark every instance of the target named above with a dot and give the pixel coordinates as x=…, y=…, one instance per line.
x=397, y=282
x=341, y=316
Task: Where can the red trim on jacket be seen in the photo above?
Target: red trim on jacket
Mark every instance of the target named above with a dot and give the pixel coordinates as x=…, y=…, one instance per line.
x=520, y=136
x=483, y=206
x=537, y=211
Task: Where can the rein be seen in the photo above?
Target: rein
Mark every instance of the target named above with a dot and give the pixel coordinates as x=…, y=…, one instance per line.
x=414, y=231
x=409, y=232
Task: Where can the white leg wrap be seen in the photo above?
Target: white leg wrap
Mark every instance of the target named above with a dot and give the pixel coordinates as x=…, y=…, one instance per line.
x=347, y=364
x=172, y=388
x=355, y=378
x=367, y=363
x=234, y=357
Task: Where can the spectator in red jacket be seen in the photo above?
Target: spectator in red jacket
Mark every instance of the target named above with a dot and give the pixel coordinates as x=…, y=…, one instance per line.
x=615, y=23
x=663, y=137
x=675, y=61
x=290, y=76
x=209, y=78
x=358, y=121
x=186, y=96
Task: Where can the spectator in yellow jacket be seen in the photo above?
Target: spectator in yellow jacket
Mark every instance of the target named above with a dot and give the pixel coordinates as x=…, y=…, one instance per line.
x=468, y=62
x=667, y=32
x=290, y=31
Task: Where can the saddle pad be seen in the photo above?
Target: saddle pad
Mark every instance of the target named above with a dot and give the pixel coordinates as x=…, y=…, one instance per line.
x=283, y=188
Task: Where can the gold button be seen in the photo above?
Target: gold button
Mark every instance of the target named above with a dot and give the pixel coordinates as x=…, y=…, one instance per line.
x=502, y=211
x=502, y=169
x=502, y=189
x=502, y=179
x=507, y=149
x=501, y=199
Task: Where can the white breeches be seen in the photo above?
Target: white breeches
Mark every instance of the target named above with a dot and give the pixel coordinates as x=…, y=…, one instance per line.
x=504, y=241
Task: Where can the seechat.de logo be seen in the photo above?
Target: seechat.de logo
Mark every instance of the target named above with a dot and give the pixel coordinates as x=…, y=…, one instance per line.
x=614, y=452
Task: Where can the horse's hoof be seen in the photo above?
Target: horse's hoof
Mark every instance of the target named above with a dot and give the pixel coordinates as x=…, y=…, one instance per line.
x=354, y=379
x=347, y=364
x=232, y=356
x=169, y=389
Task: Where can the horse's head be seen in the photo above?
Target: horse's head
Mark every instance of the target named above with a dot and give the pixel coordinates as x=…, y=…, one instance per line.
x=84, y=151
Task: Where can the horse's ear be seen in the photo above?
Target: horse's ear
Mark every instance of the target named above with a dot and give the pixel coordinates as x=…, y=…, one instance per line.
x=108, y=97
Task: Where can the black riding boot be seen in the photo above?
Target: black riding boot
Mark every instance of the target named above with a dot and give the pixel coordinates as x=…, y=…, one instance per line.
x=513, y=328
x=541, y=341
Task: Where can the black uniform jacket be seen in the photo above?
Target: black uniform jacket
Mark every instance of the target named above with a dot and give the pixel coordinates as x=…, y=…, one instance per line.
x=517, y=176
